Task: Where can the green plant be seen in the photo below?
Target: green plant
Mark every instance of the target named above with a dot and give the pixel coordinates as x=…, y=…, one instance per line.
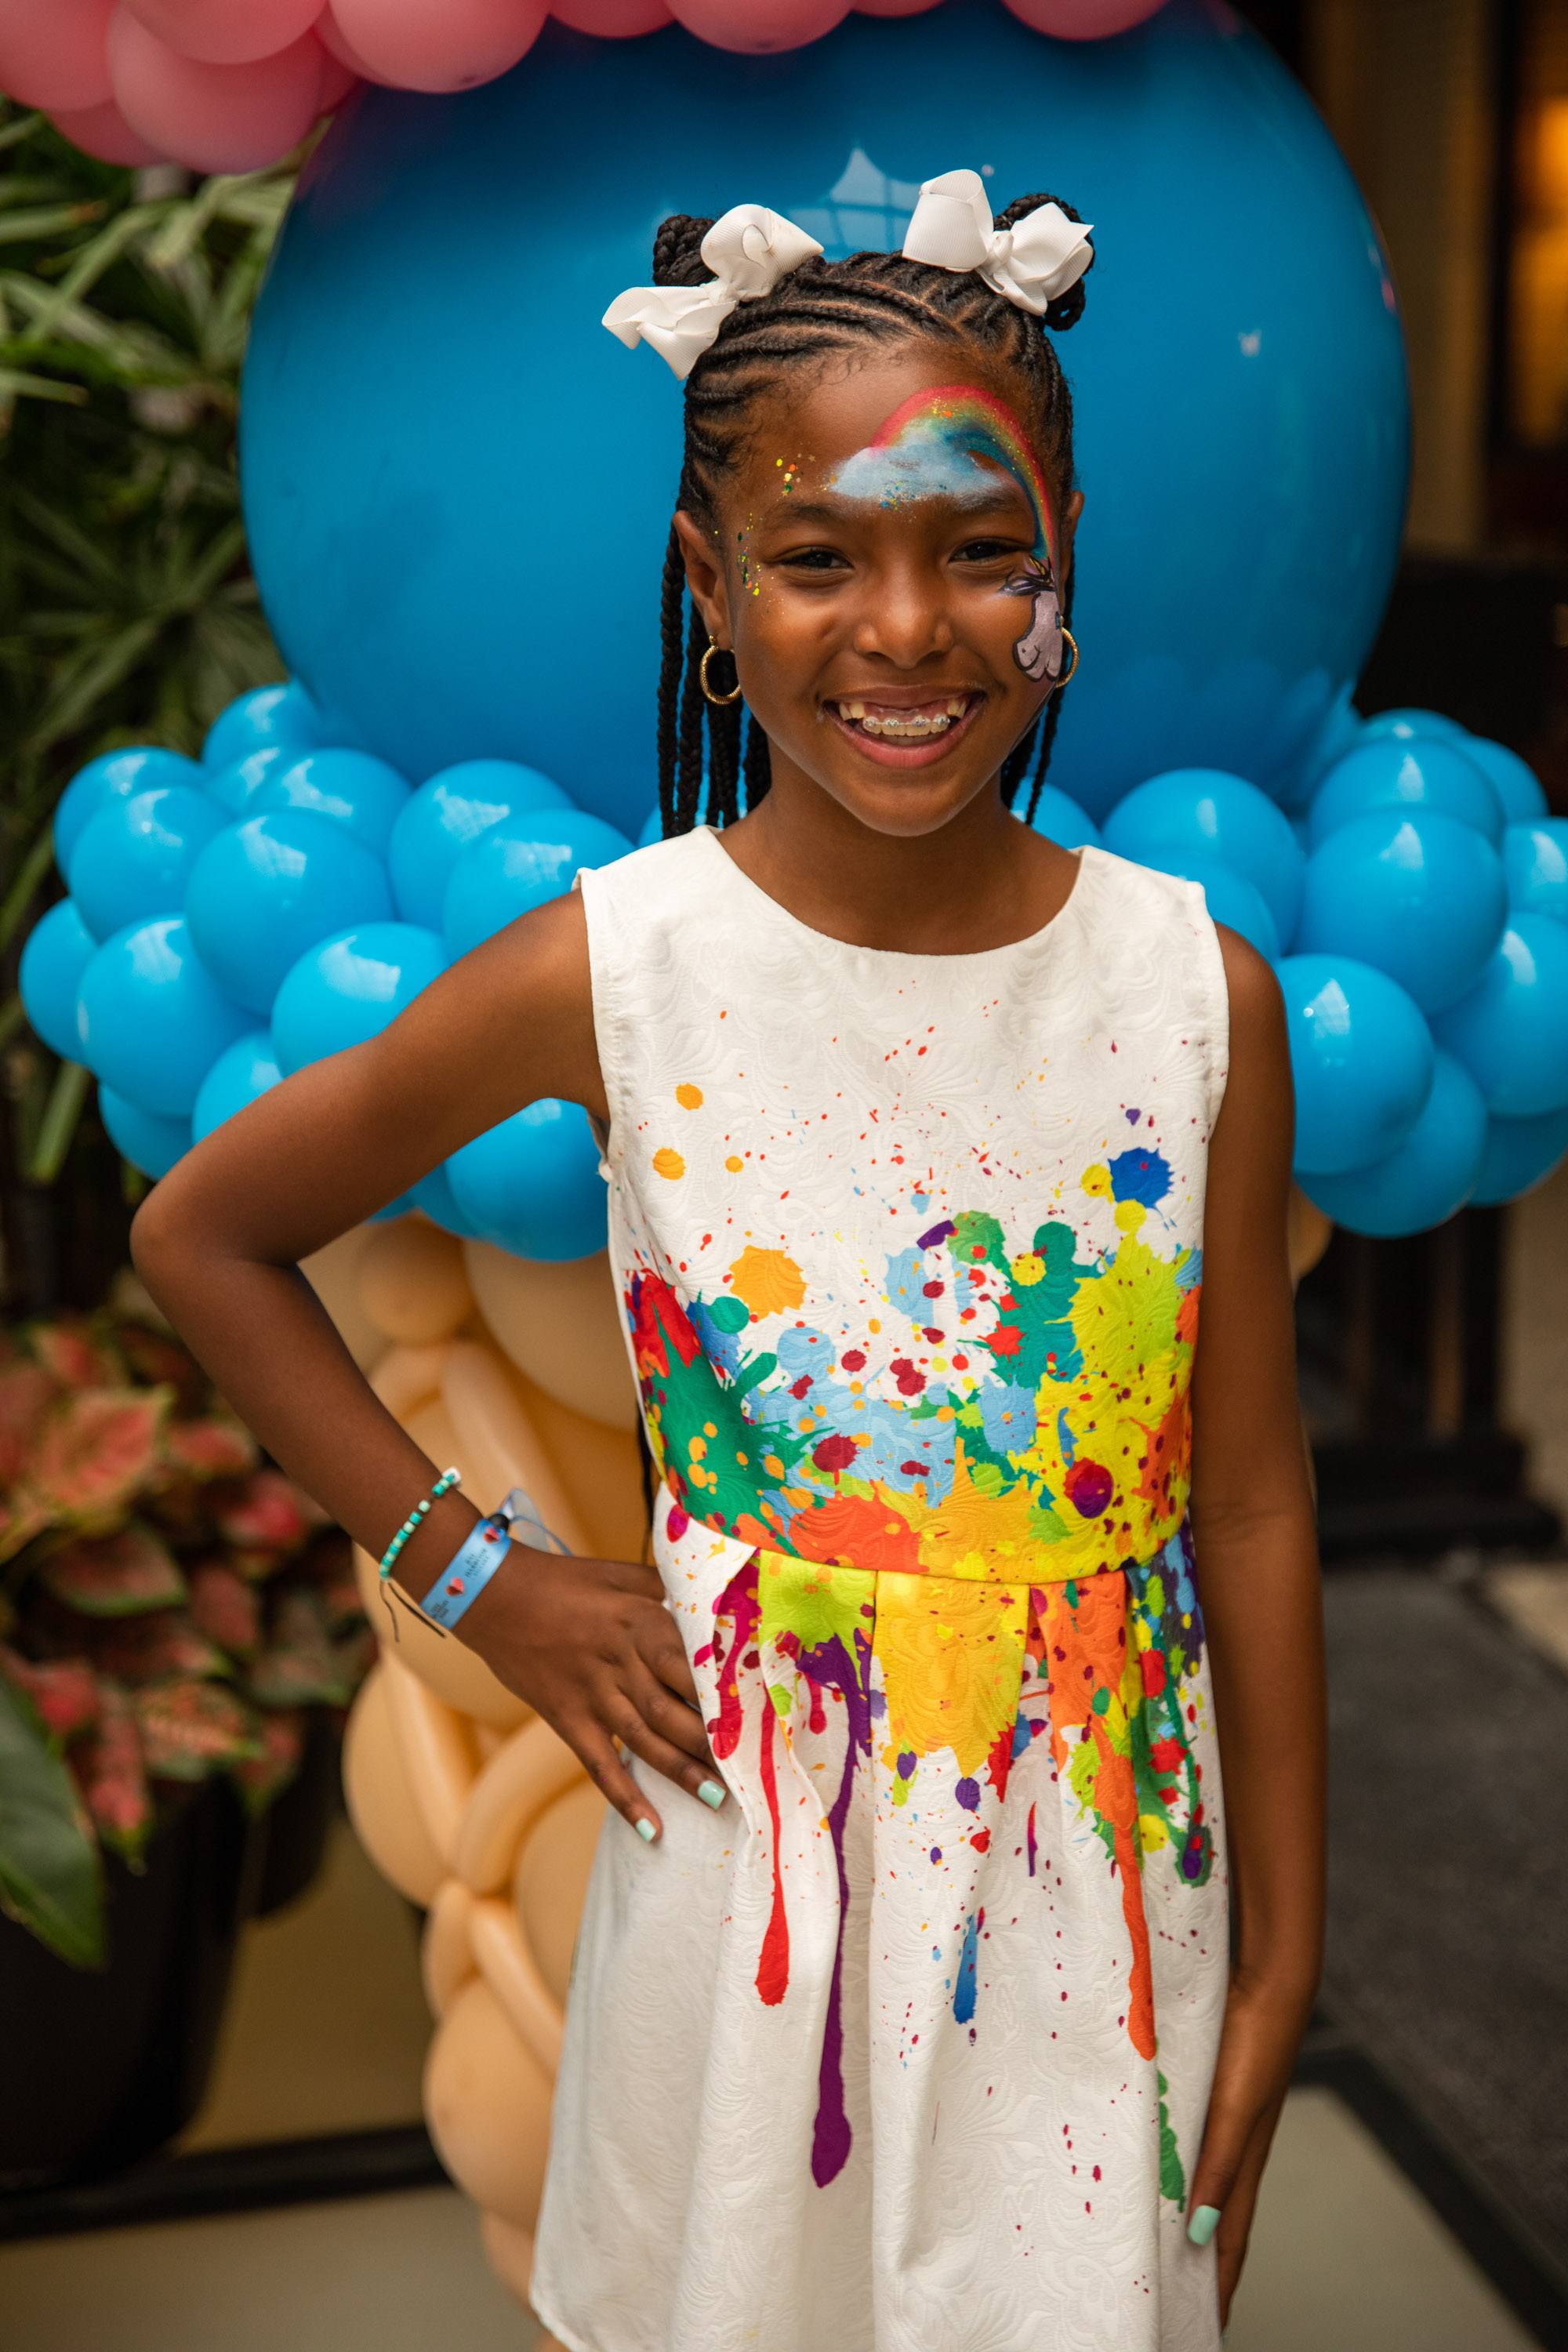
x=169, y=1606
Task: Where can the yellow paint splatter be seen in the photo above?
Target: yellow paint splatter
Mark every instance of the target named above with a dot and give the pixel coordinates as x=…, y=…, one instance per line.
x=688, y=1095
x=767, y=1280
x=734, y=1163
x=669, y=1163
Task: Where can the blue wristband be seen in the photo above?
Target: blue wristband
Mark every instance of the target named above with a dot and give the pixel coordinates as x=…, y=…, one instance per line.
x=463, y=1579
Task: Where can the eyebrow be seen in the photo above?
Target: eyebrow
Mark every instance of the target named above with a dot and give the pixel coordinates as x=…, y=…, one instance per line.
x=1006, y=491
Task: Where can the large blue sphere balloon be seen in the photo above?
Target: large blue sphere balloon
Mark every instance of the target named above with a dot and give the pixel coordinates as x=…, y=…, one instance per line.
x=1425, y=1178
x=1418, y=895
x=1511, y=1031
x=463, y=558
x=1362, y=1057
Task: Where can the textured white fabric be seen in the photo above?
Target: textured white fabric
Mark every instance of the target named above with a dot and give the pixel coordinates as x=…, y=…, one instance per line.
x=748, y=248
x=1031, y=263
x=907, y=2048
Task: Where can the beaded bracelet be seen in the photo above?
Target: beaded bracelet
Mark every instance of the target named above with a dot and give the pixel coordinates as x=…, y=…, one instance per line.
x=447, y=1478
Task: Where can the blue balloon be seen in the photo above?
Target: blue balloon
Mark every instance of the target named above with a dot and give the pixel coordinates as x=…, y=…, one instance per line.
x=462, y=561
x=350, y=787
x=280, y=718
x=236, y=786
x=445, y=814
x=516, y=866
x=652, y=828
x=148, y=1142
x=1236, y=902
x=350, y=987
x=113, y=775
x=1511, y=1031
x=532, y=1183
x=1401, y=772
x=1520, y=1153
x=1516, y=786
x=56, y=952
x=1361, y=1056
x=1418, y=895
x=1340, y=732
x=1411, y=725
x=1424, y=1180
x=1061, y=820
x=134, y=857
x=151, y=1018
x=433, y=1193
x=245, y=1069
x=1535, y=860
x=1197, y=812
x=267, y=887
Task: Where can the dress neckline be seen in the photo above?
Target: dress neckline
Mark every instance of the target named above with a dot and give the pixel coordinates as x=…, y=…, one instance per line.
x=959, y=958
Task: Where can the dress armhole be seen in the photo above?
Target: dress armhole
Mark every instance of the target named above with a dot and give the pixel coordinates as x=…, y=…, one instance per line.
x=1214, y=992
x=608, y=1018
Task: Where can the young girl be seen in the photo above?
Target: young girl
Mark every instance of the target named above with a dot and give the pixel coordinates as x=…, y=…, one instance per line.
x=912, y=2010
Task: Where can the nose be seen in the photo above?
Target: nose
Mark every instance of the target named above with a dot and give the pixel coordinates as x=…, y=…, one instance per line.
x=905, y=620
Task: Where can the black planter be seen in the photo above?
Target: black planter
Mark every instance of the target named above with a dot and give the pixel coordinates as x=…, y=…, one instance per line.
x=101, y=2067
x=295, y=1827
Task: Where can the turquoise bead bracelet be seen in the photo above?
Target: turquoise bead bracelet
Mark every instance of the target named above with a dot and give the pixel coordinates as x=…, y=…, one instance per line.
x=447, y=1478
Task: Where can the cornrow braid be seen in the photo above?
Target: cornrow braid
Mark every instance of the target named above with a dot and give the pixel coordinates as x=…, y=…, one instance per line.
x=822, y=307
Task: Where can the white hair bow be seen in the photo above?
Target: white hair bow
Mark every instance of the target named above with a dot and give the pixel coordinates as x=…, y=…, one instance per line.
x=749, y=249
x=1031, y=263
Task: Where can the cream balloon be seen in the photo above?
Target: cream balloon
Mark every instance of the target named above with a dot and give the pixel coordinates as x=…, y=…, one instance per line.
x=447, y=1959
x=413, y=1283
x=560, y=1324
x=487, y=2101
x=334, y=1274
x=552, y=1879
x=380, y=1799
x=600, y=1467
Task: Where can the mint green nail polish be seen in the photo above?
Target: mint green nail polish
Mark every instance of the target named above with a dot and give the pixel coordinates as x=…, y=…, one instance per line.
x=1203, y=2224
x=712, y=1793
x=645, y=1831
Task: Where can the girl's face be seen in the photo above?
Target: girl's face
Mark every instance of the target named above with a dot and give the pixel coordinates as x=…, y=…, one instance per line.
x=885, y=566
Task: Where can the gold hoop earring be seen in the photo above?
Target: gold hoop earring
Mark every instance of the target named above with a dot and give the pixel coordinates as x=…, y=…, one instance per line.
x=1068, y=673
x=707, y=693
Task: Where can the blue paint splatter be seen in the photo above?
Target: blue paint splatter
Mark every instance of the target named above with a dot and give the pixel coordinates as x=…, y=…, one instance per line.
x=963, y=1990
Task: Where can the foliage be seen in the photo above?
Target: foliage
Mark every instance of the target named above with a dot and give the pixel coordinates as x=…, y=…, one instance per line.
x=169, y=1605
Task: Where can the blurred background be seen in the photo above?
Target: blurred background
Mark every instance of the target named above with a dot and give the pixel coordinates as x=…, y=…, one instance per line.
x=1418, y=2197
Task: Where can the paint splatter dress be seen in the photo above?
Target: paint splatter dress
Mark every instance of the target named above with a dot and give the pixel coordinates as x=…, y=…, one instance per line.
x=907, y=2048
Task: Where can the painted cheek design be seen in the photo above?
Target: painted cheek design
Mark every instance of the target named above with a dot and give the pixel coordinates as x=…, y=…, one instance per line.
x=1038, y=652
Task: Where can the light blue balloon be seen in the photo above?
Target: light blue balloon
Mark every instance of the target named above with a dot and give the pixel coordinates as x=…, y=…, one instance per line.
x=134, y=857
x=1413, y=726
x=1062, y=821
x=350, y=987
x=1400, y=772
x=1535, y=860
x=1234, y=901
x=433, y=1193
x=280, y=718
x=1511, y=1031
x=1361, y=1056
x=516, y=866
x=533, y=1184
x=1198, y=812
x=1425, y=1179
x=401, y=1207
x=248, y=1068
x=466, y=560
x=1516, y=786
x=350, y=787
x=652, y=828
x=1418, y=895
x=1520, y=1153
x=237, y=786
x=267, y=887
x=148, y=1142
x=55, y=953
x=1340, y=732
x=113, y=775
x=448, y=811
x=151, y=1018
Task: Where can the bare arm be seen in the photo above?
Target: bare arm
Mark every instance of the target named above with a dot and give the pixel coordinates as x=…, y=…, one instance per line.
x=1253, y=1524
x=218, y=1244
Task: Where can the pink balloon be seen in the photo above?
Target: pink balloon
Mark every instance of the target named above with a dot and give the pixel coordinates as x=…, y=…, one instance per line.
x=102, y=130
x=337, y=80
x=214, y=118
x=1084, y=20
x=759, y=25
x=894, y=8
x=438, y=44
x=51, y=52
x=226, y=32
x=612, y=20
x=330, y=34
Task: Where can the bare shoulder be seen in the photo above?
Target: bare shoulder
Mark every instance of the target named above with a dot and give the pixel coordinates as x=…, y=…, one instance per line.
x=1256, y=1006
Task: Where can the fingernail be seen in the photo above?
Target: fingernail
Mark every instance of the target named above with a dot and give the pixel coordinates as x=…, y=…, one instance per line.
x=712, y=1793
x=645, y=1831
x=1203, y=2224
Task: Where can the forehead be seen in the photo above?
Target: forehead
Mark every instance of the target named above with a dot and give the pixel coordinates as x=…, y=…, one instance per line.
x=842, y=405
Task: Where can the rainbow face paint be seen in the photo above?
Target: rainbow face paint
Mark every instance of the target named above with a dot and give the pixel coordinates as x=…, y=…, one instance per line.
x=944, y=443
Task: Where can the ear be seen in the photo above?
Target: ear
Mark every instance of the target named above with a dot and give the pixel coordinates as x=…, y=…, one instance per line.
x=1071, y=513
x=705, y=577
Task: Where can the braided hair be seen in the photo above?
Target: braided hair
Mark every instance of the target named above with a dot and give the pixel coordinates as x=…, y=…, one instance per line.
x=821, y=308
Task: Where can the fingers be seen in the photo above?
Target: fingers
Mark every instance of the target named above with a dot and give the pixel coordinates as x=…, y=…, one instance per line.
x=593, y=1743
x=675, y=1719
x=697, y=1779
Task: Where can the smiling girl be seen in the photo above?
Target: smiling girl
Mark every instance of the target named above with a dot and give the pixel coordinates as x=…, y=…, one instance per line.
x=939, y=2003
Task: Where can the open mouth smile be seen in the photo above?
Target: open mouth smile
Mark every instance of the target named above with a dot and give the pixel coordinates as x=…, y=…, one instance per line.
x=904, y=734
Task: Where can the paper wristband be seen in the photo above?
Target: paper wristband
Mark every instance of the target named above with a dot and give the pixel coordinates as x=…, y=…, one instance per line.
x=463, y=1579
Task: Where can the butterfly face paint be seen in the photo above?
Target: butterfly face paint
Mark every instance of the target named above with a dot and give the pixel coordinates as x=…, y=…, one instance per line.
x=944, y=443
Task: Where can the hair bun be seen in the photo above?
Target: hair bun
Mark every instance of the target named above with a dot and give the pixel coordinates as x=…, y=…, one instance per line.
x=1067, y=309
x=678, y=251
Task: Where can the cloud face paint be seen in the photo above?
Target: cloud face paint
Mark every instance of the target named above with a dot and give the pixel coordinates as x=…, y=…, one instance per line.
x=942, y=443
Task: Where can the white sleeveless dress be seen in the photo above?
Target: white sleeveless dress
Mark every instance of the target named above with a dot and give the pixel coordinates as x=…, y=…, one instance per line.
x=907, y=2048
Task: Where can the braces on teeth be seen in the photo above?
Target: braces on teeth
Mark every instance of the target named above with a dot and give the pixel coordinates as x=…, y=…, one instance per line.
x=914, y=724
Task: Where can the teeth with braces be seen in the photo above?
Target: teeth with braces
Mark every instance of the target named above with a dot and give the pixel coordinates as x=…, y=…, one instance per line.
x=912, y=726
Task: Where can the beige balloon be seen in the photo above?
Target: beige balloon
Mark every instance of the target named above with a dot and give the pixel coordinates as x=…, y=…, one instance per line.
x=412, y=1283
x=559, y=1324
x=487, y=2101
x=385, y=1818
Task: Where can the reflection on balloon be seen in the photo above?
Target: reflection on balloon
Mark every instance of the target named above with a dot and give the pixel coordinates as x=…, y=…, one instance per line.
x=236, y=785
x=1535, y=860
x=269, y=718
x=351, y=787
